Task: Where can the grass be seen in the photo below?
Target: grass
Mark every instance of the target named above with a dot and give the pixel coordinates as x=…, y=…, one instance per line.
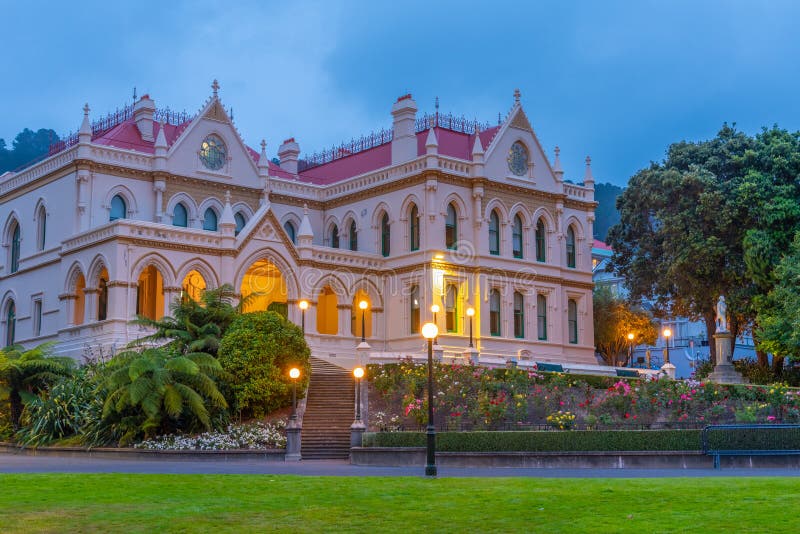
x=268, y=503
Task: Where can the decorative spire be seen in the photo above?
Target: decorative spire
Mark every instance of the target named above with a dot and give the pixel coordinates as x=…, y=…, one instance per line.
x=517, y=94
x=134, y=94
x=263, y=162
x=227, y=220
x=305, y=226
x=431, y=144
x=557, y=170
x=86, y=127
x=588, y=179
x=499, y=119
x=161, y=140
x=477, y=147
x=215, y=87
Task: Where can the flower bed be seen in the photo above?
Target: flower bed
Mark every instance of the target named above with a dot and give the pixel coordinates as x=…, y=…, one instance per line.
x=467, y=397
x=254, y=436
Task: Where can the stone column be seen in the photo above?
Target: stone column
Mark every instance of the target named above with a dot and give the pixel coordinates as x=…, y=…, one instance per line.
x=724, y=372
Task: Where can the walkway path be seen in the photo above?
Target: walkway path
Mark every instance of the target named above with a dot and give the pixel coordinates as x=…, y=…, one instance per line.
x=15, y=463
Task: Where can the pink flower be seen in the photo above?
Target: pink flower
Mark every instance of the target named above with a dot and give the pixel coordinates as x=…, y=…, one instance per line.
x=771, y=418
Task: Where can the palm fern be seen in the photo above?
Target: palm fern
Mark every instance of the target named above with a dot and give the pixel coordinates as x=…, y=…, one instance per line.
x=195, y=326
x=24, y=373
x=157, y=391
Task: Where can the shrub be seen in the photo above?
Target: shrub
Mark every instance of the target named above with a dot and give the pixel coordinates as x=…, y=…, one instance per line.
x=256, y=353
x=258, y=436
x=542, y=441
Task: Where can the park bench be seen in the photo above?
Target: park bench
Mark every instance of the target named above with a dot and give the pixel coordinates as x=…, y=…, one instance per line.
x=549, y=367
x=627, y=373
x=750, y=440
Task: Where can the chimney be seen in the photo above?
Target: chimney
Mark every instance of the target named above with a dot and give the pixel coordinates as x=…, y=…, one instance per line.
x=404, y=140
x=143, y=111
x=288, y=153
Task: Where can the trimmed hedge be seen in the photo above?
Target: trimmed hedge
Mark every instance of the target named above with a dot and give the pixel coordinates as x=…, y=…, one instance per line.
x=545, y=441
x=755, y=439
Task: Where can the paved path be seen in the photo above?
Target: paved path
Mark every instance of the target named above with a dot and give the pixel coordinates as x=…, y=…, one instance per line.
x=16, y=463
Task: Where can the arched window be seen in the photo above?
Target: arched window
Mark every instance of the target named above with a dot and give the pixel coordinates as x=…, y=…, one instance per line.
x=288, y=226
x=570, y=247
x=41, y=230
x=241, y=221
x=150, y=294
x=353, y=236
x=79, y=304
x=11, y=323
x=15, y=238
x=180, y=217
x=519, y=315
x=451, y=227
x=517, y=236
x=118, y=208
x=494, y=233
x=385, y=235
x=335, y=236
x=414, y=309
x=572, y=320
x=540, y=241
x=210, y=220
x=327, y=312
x=413, y=228
x=451, y=308
x=494, y=312
x=102, y=298
x=541, y=317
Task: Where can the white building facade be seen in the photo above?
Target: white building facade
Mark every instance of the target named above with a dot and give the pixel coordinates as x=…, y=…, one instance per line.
x=147, y=206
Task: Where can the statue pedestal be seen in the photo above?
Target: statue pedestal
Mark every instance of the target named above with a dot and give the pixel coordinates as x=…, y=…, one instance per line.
x=669, y=370
x=724, y=373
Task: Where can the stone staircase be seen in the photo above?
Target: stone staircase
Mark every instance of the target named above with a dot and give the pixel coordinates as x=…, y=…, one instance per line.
x=330, y=410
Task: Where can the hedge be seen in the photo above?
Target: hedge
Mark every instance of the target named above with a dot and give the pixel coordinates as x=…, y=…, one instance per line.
x=541, y=441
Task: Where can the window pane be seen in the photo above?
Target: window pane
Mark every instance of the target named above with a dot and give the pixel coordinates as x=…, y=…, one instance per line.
x=180, y=216
x=210, y=220
x=572, y=316
x=385, y=235
x=519, y=315
x=11, y=323
x=335, y=236
x=413, y=233
x=415, y=306
x=494, y=313
x=541, y=317
x=451, y=227
x=494, y=233
x=451, y=309
x=41, y=235
x=540, y=241
x=15, y=249
x=353, y=236
x=570, y=247
x=517, y=237
x=118, y=208
x=288, y=226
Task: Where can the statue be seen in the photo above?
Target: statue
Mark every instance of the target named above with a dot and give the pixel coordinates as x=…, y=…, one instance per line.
x=722, y=315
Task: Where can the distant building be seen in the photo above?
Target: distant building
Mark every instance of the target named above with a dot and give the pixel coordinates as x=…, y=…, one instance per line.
x=147, y=206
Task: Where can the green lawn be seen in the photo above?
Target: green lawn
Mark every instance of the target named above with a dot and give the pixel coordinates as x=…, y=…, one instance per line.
x=250, y=503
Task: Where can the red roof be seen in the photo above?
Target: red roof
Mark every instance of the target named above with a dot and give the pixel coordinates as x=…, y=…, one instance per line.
x=126, y=135
x=600, y=245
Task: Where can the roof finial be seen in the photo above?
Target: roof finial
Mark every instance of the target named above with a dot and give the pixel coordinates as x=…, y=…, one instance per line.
x=517, y=94
x=588, y=161
x=231, y=113
x=215, y=87
x=227, y=197
x=436, y=104
x=86, y=109
x=499, y=119
x=134, y=94
x=557, y=151
x=588, y=178
x=263, y=145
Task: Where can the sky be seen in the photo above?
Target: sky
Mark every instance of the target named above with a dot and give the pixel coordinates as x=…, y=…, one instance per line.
x=616, y=80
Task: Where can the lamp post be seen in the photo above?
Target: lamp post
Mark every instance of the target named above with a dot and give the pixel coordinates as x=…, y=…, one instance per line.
x=667, y=333
x=630, y=349
x=429, y=332
x=435, y=309
x=363, y=307
x=303, y=307
x=294, y=374
x=358, y=372
x=470, y=314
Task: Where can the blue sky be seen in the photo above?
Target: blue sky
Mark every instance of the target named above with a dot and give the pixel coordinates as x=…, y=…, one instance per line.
x=617, y=80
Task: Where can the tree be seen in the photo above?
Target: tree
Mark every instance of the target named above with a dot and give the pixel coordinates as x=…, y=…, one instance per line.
x=606, y=214
x=614, y=319
x=679, y=242
x=24, y=373
x=26, y=147
x=195, y=326
x=257, y=352
x=154, y=391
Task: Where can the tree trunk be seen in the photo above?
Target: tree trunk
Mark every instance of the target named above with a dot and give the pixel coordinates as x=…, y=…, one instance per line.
x=734, y=324
x=777, y=365
x=16, y=408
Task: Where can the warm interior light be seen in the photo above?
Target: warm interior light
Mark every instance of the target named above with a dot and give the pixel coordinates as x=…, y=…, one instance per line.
x=358, y=372
x=667, y=332
x=429, y=331
x=294, y=373
x=470, y=312
x=363, y=304
x=630, y=337
x=439, y=257
x=303, y=304
x=435, y=308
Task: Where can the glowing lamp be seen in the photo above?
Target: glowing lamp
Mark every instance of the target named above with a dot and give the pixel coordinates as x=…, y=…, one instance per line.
x=430, y=331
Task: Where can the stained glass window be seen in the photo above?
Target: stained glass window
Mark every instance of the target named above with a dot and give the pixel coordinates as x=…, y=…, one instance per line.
x=518, y=159
x=213, y=152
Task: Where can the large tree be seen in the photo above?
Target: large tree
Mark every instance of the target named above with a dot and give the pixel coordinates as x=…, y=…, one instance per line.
x=679, y=240
x=614, y=320
x=26, y=147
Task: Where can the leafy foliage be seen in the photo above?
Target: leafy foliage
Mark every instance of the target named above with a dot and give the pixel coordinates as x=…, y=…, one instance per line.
x=155, y=392
x=26, y=147
x=24, y=373
x=257, y=351
x=606, y=214
x=614, y=319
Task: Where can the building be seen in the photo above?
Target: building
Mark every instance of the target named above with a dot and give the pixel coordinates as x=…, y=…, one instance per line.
x=146, y=206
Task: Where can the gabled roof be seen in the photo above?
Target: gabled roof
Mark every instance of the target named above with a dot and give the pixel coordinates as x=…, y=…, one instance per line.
x=126, y=135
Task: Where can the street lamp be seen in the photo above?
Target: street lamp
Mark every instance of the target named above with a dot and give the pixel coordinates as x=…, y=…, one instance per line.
x=470, y=314
x=429, y=332
x=630, y=349
x=303, y=307
x=667, y=332
x=358, y=372
x=294, y=374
